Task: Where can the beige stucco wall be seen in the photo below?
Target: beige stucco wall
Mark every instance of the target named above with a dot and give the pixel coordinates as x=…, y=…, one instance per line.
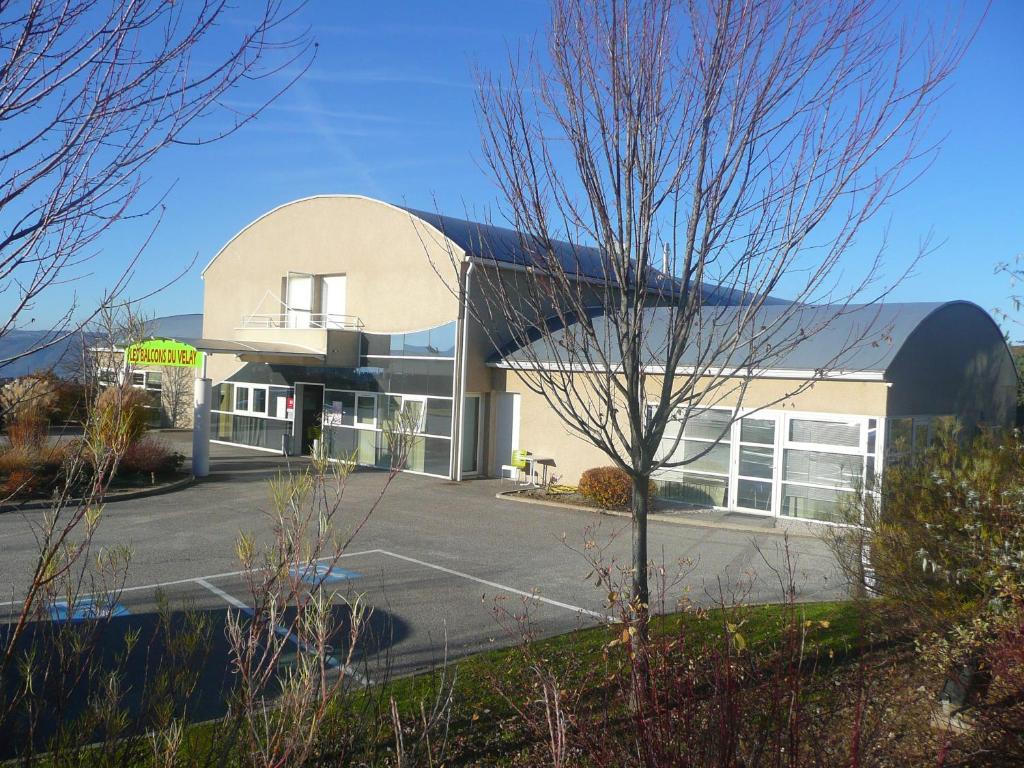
x=542, y=432
x=385, y=253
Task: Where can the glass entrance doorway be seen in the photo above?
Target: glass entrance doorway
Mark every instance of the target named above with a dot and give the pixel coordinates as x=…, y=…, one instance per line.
x=309, y=418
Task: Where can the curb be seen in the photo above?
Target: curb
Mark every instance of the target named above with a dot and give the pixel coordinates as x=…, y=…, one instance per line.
x=655, y=517
x=141, y=493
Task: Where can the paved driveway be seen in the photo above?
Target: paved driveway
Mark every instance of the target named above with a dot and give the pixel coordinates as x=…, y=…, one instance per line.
x=432, y=560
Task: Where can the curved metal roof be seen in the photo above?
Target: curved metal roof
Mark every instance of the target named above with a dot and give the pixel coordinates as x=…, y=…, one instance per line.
x=855, y=339
x=174, y=326
x=488, y=242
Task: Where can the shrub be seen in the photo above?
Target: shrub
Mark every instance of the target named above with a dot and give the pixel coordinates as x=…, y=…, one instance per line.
x=609, y=487
x=30, y=396
x=27, y=431
x=946, y=542
x=21, y=482
x=71, y=402
x=120, y=417
x=150, y=456
x=15, y=459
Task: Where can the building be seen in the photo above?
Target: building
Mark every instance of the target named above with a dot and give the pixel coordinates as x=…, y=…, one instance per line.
x=171, y=388
x=328, y=315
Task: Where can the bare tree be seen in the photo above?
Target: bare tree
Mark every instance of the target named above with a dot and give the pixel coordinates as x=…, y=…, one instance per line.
x=90, y=93
x=696, y=157
x=176, y=387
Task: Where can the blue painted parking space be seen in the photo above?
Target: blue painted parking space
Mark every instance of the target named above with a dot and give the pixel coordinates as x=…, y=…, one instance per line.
x=86, y=609
x=322, y=573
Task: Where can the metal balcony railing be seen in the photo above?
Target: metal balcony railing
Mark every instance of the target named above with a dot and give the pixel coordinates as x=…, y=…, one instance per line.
x=301, y=319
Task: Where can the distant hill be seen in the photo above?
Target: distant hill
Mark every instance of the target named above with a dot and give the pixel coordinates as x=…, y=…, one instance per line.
x=64, y=356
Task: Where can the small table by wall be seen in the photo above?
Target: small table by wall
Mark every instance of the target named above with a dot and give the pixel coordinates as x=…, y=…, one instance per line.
x=545, y=462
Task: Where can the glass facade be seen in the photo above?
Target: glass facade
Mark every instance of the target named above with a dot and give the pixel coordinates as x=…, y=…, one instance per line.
x=412, y=373
x=704, y=478
x=797, y=465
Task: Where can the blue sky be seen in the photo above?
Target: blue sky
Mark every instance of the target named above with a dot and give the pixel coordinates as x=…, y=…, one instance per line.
x=387, y=111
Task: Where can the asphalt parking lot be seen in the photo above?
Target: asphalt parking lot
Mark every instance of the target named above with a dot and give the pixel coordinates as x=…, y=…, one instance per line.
x=433, y=561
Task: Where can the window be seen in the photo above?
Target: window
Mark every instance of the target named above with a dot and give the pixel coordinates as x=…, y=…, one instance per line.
x=251, y=399
x=339, y=408
x=139, y=379
x=299, y=299
x=823, y=467
x=366, y=411
x=704, y=446
x=439, y=417
x=356, y=425
x=332, y=301
x=825, y=432
x=755, y=472
x=414, y=409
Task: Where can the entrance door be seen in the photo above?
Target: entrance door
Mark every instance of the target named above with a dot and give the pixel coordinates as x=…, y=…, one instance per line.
x=471, y=421
x=506, y=428
x=311, y=415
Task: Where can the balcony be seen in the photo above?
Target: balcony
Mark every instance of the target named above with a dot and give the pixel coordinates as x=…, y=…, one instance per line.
x=301, y=320
x=332, y=335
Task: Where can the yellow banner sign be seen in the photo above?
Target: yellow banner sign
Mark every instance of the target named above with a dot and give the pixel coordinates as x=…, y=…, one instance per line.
x=164, y=352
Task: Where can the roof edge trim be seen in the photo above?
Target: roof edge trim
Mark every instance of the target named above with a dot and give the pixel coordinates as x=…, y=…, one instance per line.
x=758, y=373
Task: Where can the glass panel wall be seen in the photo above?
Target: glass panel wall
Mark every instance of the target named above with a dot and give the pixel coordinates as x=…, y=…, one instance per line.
x=362, y=437
x=254, y=415
x=411, y=372
x=823, y=467
x=799, y=465
x=704, y=477
x=253, y=431
x=755, y=473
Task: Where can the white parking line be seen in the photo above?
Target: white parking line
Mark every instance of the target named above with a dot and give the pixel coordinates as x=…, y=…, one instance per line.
x=280, y=631
x=230, y=599
x=195, y=579
x=204, y=581
x=502, y=587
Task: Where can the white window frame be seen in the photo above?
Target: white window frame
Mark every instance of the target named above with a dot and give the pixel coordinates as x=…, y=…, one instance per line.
x=422, y=400
x=860, y=450
x=251, y=388
x=145, y=383
x=734, y=461
x=685, y=468
x=376, y=410
x=782, y=419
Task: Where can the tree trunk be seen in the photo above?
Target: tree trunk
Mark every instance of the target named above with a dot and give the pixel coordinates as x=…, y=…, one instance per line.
x=641, y=596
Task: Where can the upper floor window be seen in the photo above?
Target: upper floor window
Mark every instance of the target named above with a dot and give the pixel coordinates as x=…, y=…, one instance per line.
x=315, y=301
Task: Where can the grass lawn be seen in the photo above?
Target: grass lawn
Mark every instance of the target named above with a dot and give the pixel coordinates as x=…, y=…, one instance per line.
x=484, y=728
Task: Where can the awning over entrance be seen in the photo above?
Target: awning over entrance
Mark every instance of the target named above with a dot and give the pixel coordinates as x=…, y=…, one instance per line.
x=257, y=351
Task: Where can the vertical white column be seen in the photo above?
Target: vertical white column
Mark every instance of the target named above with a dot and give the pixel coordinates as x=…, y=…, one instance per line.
x=201, y=428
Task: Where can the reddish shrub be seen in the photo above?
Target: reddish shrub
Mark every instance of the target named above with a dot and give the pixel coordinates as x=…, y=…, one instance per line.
x=27, y=432
x=150, y=456
x=14, y=459
x=608, y=487
x=21, y=482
